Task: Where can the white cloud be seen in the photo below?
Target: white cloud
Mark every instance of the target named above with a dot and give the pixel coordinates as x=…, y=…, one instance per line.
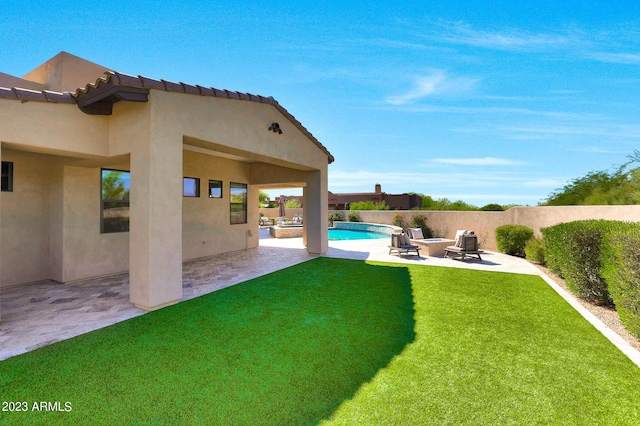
x=509, y=39
x=486, y=161
x=618, y=131
x=598, y=150
x=543, y=183
x=617, y=58
x=565, y=92
x=437, y=83
x=428, y=108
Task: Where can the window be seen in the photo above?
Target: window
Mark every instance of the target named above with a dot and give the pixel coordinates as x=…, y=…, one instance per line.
x=7, y=176
x=215, y=189
x=238, y=197
x=191, y=187
x=114, y=210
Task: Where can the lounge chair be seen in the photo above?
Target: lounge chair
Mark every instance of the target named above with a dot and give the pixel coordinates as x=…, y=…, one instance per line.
x=415, y=233
x=466, y=245
x=400, y=243
x=265, y=221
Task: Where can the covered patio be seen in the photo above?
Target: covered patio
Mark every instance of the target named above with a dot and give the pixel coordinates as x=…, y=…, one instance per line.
x=37, y=315
x=108, y=173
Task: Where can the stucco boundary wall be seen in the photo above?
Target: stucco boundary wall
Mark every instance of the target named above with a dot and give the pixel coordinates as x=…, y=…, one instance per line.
x=273, y=212
x=484, y=224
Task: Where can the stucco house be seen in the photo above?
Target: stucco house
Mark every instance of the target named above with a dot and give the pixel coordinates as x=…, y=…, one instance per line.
x=104, y=172
x=394, y=201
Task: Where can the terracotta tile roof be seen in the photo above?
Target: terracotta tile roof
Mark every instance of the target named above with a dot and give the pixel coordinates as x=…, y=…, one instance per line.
x=25, y=95
x=125, y=80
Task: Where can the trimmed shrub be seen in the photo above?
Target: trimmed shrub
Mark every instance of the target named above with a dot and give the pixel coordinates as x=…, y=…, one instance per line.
x=621, y=269
x=492, y=208
x=335, y=216
x=534, y=250
x=511, y=239
x=353, y=217
x=573, y=251
x=398, y=220
x=420, y=221
x=368, y=205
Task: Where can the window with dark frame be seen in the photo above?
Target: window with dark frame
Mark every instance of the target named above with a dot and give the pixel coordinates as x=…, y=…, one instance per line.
x=7, y=176
x=215, y=189
x=238, y=202
x=114, y=209
x=191, y=187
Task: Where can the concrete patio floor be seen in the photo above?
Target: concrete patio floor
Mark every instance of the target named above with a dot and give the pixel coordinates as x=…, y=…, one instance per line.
x=39, y=314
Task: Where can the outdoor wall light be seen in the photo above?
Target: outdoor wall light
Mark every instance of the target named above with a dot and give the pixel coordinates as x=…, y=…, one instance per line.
x=275, y=127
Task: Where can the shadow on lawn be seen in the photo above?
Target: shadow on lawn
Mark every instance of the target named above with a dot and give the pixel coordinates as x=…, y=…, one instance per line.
x=286, y=348
x=326, y=328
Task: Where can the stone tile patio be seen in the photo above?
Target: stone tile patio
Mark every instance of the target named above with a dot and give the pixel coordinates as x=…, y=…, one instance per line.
x=37, y=315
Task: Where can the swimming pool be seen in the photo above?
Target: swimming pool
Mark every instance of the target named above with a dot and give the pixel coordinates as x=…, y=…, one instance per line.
x=337, y=234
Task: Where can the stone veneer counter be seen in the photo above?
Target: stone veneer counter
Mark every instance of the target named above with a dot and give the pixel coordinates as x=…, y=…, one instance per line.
x=433, y=246
x=286, y=231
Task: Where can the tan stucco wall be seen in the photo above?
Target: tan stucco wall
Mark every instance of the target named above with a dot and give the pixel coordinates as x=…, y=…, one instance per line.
x=25, y=220
x=51, y=223
x=541, y=217
x=66, y=72
x=445, y=223
x=206, y=221
x=87, y=252
x=7, y=80
x=54, y=128
x=273, y=212
x=238, y=127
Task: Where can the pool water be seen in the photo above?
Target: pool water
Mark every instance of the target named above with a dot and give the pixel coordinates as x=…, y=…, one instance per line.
x=351, y=234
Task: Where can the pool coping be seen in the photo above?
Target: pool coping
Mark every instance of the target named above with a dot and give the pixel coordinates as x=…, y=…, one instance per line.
x=367, y=226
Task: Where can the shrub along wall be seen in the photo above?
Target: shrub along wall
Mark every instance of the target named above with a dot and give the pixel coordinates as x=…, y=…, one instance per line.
x=512, y=239
x=621, y=269
x=572, y=250
x=600, y=261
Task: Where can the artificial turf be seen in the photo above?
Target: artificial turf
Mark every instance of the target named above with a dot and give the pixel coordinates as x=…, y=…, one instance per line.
x=339, y=341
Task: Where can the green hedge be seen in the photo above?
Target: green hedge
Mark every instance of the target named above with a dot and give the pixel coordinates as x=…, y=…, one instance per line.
x=621, y=269
x=534, y=250
x=512, y=239
x=420, y=221
x=600, y=261
x=399, y=220
x=337, y=216
x=573, y=251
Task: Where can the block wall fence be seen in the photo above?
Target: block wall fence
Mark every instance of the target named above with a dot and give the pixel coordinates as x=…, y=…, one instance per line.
x=445, y=223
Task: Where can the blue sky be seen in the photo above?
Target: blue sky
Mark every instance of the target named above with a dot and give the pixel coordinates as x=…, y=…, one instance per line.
x=480, y=101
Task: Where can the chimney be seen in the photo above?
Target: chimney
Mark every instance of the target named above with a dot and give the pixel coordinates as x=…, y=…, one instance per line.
x=378, y=188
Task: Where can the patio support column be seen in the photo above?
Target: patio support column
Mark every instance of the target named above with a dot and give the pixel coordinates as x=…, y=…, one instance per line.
x=316, y=213
x=304, y=215
x=0, y=254
x=155, y=234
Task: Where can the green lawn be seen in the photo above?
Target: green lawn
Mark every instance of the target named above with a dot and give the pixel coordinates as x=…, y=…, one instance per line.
x=339, y=341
